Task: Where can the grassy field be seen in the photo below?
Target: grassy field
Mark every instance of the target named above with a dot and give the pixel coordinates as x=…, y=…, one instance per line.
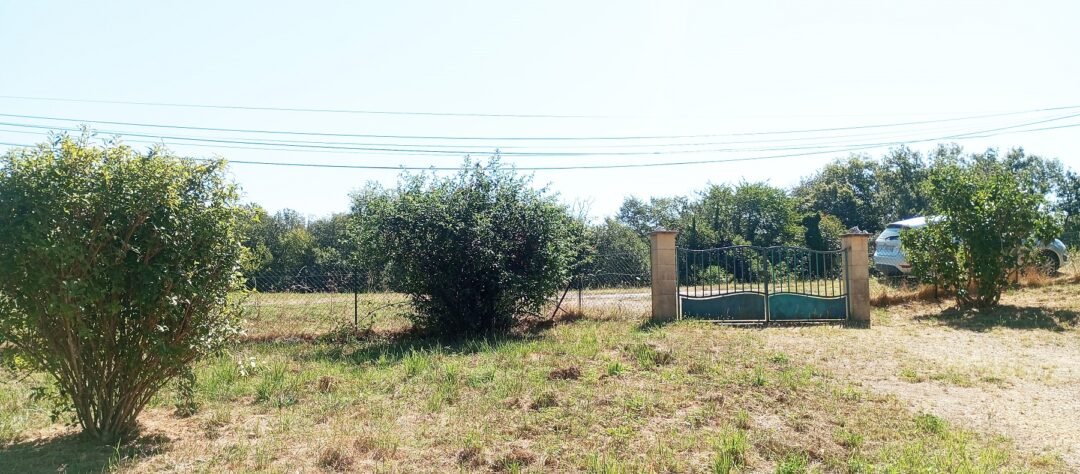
x=603, y=393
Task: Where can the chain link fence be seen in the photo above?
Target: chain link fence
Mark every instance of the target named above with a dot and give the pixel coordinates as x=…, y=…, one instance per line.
x=305, y=303
x=615, y=282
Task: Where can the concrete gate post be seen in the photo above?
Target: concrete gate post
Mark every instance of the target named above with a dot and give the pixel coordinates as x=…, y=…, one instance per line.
x=857, y=275
x=665, y=305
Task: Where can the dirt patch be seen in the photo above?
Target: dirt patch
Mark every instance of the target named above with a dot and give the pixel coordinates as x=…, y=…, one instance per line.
x=1014, y=372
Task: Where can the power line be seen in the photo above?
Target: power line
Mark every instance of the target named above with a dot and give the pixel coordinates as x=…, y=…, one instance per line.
x=983, y=134
x=573, y=138
x=271, y=147
x=458, y=148
x=435, y=152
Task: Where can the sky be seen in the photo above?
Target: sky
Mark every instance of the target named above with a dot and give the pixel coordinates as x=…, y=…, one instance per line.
x=736, y=72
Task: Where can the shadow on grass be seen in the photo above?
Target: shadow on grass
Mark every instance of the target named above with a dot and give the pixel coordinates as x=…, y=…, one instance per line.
x=654, y=324
x=75, y=453
x=1008, y=316
x=392, y=348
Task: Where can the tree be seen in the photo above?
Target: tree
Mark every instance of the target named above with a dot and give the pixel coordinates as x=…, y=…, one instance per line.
x=370, y=247
x=848, y=189
x=257, y=255
x=115, y=268
x=990, y=220
x=764, y=216
x=823, y=232
x=333, y=252
x=619, y=257
x=477, y=250
x=900, y=180
x=1068, y=204
x=666, y=212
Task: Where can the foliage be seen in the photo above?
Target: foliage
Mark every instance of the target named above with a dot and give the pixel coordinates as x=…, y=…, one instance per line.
x=287, y=252
x=479, y=249
x=371, y=250
x=721, y=216
x=1068, y=204
x=991, y=220
x=644, y=217
x=115, y=267
x=848, y=189
x=823, y=232
x=617, y=257
x=869, y=193
x=764, y=216
x=900, y=177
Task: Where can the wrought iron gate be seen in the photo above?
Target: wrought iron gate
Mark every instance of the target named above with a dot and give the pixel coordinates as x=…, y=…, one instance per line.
x=762, y=284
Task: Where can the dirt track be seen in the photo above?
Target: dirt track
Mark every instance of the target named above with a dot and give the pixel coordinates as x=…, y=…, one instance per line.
x=1019, y=377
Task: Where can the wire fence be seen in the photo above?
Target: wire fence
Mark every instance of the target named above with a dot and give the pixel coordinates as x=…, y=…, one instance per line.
x=320, y=302
x=615, y=281
x=607, y=283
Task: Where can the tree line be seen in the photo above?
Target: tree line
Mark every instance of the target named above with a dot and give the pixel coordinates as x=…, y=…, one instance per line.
x=288, y=252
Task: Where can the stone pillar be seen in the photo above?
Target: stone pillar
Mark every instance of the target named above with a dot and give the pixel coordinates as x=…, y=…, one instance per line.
x=665, y=305
x=857, y=275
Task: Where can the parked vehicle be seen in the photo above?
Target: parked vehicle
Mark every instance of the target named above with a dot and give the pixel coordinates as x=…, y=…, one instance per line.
x=889, y=257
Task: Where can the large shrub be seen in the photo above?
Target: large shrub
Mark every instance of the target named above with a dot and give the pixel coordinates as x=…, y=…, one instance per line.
x=114, y=271
x=989, y=225
x=476, y=250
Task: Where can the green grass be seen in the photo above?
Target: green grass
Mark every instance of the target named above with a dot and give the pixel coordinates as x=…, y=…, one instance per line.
x=602, y=394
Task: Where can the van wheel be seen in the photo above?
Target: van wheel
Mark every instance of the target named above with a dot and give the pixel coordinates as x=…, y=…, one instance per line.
x=1047, y=262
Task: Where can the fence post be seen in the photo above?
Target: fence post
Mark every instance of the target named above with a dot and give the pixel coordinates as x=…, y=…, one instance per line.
x=355, y=300
x=255, y=289
x=664, y=281
x=580, y=285
x=857, y=276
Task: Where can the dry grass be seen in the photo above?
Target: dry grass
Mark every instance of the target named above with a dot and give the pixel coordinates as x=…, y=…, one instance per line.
x=882, y=295
x=1013, y=370
x=595, y=392
x=897, y=291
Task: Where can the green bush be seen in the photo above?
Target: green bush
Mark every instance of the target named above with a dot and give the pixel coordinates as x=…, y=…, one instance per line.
x=990, y=223
x=114, y=271
x=477, y=250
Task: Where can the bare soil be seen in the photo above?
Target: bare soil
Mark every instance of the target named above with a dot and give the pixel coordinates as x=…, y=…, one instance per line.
x=1013, y=371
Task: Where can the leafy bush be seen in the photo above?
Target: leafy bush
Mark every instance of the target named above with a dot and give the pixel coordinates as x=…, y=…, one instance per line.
x=476, y=250
x=990, y=223
x=114, y=271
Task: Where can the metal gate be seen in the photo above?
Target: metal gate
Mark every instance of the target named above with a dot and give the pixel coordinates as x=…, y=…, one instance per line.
x=762, y=284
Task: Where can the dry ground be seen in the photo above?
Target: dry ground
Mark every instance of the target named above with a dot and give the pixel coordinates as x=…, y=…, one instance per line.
x=925, y=389
x=1014, y=370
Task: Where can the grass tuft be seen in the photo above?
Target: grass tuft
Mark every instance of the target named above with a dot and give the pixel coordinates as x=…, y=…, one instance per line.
x=731, y=447
x=334, y=459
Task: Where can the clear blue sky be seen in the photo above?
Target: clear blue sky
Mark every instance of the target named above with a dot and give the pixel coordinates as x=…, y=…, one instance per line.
x=654, y=68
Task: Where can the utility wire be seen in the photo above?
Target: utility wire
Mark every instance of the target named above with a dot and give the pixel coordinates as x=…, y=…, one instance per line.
x=292, y=147
x=629, y=165
x=584, y=138
x=475, y=150
x=502, y=146
x=980, y=134
x=439, y=152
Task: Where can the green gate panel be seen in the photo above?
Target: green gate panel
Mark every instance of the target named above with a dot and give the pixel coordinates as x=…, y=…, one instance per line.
x=797, y=307
x=733, y=307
